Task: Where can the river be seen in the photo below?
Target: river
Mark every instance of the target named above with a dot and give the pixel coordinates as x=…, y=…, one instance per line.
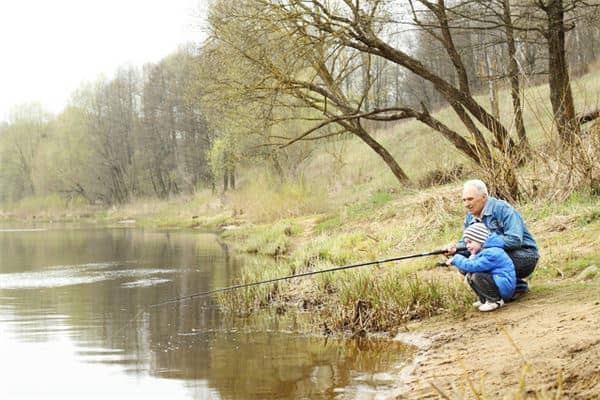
x=75, y=322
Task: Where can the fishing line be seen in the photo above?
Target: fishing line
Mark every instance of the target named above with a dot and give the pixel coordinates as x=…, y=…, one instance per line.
x=240, y=286
x=344, y=267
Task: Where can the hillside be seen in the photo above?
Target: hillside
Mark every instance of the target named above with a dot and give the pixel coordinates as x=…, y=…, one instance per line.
x=346, y=208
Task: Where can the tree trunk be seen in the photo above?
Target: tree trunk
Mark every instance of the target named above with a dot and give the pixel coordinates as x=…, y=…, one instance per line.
x=375, y=45
x=490, y=69
x=522, y=149
x=561, y=96
x=232, y=178
x=479, y=152
x=382, y=152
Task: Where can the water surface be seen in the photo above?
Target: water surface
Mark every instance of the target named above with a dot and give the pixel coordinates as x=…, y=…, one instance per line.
x=75, y=323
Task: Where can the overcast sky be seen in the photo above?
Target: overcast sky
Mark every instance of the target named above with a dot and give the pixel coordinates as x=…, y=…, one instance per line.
x=49, y=47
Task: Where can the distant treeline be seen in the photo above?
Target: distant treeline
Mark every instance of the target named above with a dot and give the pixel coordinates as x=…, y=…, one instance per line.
x=139, y=133
x=274, y=74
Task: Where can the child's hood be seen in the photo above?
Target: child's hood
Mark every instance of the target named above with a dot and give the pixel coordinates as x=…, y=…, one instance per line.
x=493, y=240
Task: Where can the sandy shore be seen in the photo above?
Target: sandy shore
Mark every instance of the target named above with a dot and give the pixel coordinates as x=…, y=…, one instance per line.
x=537, y=345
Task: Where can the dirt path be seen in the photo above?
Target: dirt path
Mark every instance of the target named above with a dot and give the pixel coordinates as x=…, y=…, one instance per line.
x=536, y=340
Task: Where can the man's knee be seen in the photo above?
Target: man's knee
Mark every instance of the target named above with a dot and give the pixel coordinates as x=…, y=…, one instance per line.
x=525, y=269
x=525, y=261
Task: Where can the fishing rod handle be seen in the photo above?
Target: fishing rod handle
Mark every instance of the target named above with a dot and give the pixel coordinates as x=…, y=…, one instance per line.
x=442, y=263
x=444, y=251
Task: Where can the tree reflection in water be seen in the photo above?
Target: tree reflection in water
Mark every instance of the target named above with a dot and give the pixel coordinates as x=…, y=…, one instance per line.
x=92, y=286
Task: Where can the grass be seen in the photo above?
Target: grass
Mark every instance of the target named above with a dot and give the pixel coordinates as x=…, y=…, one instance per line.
x=270, y=239
x=248, y=300
x=345, y=206
x=200, y=210
x=375, y=305
x=48, y=207
x=353, y=211
x=383, y=297
x=264, y=198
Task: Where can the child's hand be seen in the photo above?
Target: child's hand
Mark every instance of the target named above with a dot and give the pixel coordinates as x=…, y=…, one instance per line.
x=450, y=250
x=449, y=261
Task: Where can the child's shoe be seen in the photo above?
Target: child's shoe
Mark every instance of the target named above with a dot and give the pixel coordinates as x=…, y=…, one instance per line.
x=477, y=304
x=491, y=305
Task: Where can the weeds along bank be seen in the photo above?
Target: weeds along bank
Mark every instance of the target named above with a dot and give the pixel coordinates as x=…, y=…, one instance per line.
x=384, y=297
x=302, y=229
x=388, y=298
x=345, y=207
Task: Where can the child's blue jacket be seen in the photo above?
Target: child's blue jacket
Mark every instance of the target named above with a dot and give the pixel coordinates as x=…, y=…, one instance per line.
x=491, y=259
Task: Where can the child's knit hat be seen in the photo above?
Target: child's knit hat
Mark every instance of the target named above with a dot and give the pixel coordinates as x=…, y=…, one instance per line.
x=477, y=232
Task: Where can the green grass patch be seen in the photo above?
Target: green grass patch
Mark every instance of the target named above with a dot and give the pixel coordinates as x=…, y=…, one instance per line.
x=329, y=223
x=370, y=304
x=269, y=239
x=246, y=301
x=568, y=250
x=339, y=249
x=356, y=211
x=265, y=199
x=381, y=297
x=567, y=289
x=380, y=198
x=589, y=217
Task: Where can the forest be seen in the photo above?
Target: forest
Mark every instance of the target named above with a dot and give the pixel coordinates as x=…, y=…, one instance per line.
x=279, y=84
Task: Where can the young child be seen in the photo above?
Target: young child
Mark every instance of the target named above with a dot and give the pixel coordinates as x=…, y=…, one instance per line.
x=489, y=270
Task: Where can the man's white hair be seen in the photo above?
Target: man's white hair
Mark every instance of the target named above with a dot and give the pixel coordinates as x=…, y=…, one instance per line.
x=478, y=185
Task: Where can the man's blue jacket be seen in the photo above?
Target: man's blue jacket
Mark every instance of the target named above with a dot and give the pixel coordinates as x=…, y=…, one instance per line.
x=493, y=260
x=502, y=219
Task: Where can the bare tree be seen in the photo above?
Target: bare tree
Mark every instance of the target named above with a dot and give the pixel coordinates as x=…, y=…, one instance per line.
x=561, y=95
x=366, y=27
x=19, y=144
x=304, y=71
x=112, y=112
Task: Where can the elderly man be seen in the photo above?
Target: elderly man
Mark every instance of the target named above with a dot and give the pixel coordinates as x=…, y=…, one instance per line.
x=502, y=219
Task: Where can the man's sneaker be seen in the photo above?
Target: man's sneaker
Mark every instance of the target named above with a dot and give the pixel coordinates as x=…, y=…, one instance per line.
x=522, y=286
x=491, y=305
x=517, y=296
x=477, y=304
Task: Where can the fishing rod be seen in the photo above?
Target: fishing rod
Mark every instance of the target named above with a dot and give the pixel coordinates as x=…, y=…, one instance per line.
x=282, y=278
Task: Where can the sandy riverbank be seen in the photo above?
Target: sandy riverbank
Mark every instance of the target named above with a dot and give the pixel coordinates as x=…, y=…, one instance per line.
x=541, y=345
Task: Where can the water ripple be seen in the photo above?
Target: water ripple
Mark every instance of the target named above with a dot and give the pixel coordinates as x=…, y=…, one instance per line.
x=24, y=230
x=60, y=276
x=145, y=282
